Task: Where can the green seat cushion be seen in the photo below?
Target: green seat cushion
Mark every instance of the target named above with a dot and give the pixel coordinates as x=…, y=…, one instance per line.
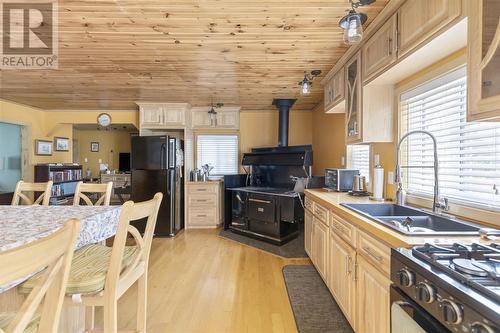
x=88, y=269
x=6, y=318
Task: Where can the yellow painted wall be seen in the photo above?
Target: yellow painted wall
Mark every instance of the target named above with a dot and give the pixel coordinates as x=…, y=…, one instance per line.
x=111, y=143
x=260, y=129
x=328, y=139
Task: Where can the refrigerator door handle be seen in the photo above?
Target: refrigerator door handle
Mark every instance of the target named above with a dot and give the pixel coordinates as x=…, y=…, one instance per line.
x=163, y=156
x=171, y=153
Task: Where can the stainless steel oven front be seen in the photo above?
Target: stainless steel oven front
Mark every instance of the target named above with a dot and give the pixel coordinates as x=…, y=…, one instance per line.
x=409, y=317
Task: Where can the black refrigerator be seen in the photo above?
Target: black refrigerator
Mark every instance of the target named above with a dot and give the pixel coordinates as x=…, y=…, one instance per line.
x=156, y=166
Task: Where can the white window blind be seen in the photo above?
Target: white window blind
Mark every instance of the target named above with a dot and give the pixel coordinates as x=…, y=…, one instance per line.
x=219, y=151
x=468, y=152
x=358, y=157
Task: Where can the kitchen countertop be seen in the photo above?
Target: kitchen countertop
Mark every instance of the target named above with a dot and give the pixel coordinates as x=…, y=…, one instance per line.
x=332, y=201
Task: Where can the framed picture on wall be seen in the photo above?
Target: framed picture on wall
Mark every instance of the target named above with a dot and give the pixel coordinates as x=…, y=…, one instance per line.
x=61, y=144
x=94, y=147
x=43, y=147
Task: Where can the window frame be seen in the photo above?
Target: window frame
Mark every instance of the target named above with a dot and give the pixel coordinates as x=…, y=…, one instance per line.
x=370, y=161
x=481, y=214
x=217, y=133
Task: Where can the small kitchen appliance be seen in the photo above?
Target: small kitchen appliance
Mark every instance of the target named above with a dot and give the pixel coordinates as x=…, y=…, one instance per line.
x=446, y=288
x=340, y=180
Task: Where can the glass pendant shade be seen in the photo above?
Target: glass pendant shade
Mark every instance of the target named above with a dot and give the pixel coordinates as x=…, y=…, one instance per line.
x=354, y=32
x=305, y=88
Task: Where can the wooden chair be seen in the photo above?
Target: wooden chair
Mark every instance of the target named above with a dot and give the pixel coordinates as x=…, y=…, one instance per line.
x=54, y=253
x=100, y=275
x=20, y=197
x=104, y=189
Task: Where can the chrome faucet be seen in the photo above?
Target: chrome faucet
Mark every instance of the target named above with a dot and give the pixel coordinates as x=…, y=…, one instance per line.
x=437, y=204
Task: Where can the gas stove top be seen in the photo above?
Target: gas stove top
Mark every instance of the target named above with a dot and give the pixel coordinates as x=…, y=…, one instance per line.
x=475, y=265
x=457, y=284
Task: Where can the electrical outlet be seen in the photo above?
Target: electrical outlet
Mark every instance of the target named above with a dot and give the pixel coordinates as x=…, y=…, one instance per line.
x=390, y=178
x=100, y=161
x=342, y=161
x=86, y=160
x=376, y=159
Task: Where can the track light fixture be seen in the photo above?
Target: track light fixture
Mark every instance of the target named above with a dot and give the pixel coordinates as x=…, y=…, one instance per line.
x=306, y=83
x=353, y=22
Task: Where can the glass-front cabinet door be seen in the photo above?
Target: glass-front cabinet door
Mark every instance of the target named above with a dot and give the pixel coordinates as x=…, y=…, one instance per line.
x=353, y=99
x=484, y=60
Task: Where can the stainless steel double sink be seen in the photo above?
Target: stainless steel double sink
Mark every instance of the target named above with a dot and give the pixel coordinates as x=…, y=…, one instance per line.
x=414, y=221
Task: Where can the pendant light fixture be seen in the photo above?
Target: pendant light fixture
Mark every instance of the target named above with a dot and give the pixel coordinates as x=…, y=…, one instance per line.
x=306, y=83
x=353, y=22
x=212, y=114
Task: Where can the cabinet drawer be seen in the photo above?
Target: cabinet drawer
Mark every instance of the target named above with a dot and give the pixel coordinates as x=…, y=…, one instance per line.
x=321, y=213
x=202, y=200
x=202, y=217
x=343, y=229
x=308, y=203
x=201, y=189
x=375, y=252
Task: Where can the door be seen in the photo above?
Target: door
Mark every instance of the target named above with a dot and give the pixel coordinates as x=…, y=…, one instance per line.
x=419, y=20
x=353, y=99
x=149, y=152
x=408, y=317
x=173, y=116
x=200, y=119
x=308, y=223
x=341, y=275
x=151, y=116
x=145, y=183
x=379, y=52
x=372, y=299
x=320, y=245
x=227, y=119
x=483, y=81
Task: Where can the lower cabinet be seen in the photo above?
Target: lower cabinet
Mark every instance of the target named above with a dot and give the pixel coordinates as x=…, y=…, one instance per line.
x=341, y=276
x=354, y=265
x=372, y=299
x=308, y=224
x=320, y=247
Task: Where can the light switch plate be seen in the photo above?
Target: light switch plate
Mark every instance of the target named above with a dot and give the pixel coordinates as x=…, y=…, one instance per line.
x=342, y=161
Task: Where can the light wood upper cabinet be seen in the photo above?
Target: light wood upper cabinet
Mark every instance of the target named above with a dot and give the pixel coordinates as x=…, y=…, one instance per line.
x=151, y=116
x=419, y=19
x=484, y=60
x=308, y=224
x=163, y=115
x=320, y=246
x=334, y=93
x=372, y=299
x=353, y=99
x=342, y=259
x=227, y=118
x=380, y=51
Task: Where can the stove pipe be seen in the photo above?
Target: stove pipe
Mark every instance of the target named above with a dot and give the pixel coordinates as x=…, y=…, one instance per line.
x=283, y=106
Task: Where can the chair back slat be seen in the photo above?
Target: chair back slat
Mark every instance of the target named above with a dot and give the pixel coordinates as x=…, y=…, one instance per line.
x=52, y=253
x=130, y=212
x=103, y=189
x=21, y=198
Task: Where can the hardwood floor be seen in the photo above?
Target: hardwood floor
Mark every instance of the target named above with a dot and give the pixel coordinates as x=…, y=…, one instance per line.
x=199, y=282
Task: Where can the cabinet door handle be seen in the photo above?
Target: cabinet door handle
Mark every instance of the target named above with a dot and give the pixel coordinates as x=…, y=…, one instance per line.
x=348, y=265
x=371, y=253
x=390, y=45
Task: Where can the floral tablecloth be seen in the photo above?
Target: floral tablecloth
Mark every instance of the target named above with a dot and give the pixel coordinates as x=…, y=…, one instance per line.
x=21, y=225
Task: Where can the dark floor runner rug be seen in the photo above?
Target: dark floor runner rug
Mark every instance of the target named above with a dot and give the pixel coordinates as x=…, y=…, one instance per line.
x=292, y=249
x=313, y=306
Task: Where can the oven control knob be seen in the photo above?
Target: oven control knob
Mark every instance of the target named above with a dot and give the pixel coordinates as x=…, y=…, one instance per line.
x=452, y=313
x=478, y=327
x=425, y=292
x=406, y=278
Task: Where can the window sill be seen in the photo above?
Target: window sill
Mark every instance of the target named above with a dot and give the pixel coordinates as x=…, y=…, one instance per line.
x=480, y=215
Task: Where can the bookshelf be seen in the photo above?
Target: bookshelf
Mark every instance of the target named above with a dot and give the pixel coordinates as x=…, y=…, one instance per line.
x=64, y=176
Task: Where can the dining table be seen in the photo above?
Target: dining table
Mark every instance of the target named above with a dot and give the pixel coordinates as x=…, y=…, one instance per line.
x=20, y=225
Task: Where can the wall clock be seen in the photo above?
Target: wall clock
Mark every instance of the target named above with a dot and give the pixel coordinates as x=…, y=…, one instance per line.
x=104, y=119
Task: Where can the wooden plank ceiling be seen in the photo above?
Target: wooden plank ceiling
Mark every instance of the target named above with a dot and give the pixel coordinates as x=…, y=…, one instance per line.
x=115, y=52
